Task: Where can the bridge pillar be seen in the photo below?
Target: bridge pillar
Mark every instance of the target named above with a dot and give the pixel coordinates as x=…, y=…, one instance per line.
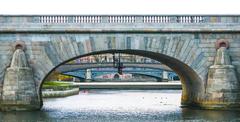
x=88, y=74
x=74, y=79
x=19, y=89
x=165, y=76
x=222, y=87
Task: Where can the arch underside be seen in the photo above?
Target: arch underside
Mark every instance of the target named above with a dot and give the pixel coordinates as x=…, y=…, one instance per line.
x=191, y=82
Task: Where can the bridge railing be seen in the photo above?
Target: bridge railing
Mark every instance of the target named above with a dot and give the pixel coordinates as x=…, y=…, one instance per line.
x=119, y=19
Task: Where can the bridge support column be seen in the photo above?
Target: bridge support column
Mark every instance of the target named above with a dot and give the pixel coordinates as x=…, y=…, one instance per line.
x=74, y=79
x=222, y=88
x=88, y=75
x=19, y=88
x=165, y=76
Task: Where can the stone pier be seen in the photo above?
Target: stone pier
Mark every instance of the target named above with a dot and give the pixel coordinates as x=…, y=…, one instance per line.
x=88, y=74
x=222, y=88
x=19, y=88
x=165, y=76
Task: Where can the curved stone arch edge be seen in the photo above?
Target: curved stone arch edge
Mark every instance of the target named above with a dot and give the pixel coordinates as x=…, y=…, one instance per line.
x=167, y=61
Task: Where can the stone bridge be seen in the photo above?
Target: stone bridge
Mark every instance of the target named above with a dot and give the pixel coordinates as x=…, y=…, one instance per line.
x=80, y=70
x=202, y=50
x=94, y=73
x=72, y=67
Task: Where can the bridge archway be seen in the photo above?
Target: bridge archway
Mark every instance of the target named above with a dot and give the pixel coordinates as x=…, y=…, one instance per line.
x=192, y=87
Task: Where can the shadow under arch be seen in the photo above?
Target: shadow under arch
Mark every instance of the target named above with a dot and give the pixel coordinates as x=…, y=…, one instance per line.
x=191, y=82
x=151, y=76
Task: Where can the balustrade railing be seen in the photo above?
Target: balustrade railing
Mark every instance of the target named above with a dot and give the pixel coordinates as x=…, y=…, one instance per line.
x=87, y=19
x=156, y=19
x=53, y=19
x=118, y=19
x=121, y=19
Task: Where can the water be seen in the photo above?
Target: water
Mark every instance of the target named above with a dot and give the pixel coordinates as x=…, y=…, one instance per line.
x=119, y=105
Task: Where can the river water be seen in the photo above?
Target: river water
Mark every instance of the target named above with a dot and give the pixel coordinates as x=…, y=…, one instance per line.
x=119, y=105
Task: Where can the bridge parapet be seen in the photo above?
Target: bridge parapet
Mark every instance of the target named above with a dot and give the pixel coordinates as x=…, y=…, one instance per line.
x=119, y=19
x=121, y=23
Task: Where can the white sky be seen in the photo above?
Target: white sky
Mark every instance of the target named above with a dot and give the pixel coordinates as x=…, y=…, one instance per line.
x=119, y=7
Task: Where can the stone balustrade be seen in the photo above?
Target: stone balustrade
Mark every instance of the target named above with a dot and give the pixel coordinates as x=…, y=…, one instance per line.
x=119, y=19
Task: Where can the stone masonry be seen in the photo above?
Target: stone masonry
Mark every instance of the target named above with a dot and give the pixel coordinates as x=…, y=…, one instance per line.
x=19, y=89
x=186, y=44
x=222, y=85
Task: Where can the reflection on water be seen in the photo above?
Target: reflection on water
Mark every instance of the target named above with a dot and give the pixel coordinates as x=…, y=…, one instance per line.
x=119, y=105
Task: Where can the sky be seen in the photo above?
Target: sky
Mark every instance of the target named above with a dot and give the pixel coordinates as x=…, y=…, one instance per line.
x=96, y=7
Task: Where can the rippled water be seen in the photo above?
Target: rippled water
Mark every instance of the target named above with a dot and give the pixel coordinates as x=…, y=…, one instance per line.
x=119, y=105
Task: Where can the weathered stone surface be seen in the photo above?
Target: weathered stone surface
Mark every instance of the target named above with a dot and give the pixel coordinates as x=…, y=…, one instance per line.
x=19, y=89
x=222, y=88
x=189, y=49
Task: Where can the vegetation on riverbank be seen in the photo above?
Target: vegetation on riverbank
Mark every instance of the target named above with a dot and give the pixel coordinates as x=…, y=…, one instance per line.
x=52, y=89
x=58, y=86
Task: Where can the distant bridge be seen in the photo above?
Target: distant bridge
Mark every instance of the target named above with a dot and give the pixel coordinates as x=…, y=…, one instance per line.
x=156, y=73
x=81, y=66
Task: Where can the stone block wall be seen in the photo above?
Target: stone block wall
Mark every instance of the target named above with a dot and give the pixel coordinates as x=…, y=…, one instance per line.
x=189, y=54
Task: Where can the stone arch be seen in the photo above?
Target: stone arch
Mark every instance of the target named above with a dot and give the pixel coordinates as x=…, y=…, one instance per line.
x=192, y=85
